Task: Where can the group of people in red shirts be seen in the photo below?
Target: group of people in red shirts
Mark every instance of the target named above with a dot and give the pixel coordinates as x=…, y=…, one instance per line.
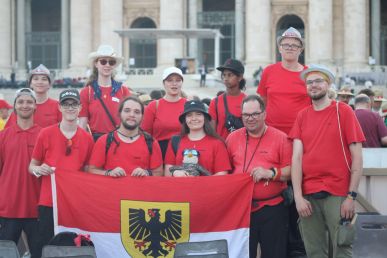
x=106, y=130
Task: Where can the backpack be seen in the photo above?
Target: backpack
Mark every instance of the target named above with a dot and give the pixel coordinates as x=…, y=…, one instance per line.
x=110, y=139
x=232, y=122
x=175, y=141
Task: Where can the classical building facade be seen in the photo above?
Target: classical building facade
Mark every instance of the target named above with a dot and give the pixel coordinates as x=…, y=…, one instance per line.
x=61, y=33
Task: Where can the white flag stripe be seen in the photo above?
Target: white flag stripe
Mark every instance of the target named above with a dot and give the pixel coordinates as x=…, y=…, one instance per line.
x=110, y=244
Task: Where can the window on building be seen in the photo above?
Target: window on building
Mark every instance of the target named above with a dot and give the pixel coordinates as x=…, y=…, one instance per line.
x=143, y=51
x=43, y=36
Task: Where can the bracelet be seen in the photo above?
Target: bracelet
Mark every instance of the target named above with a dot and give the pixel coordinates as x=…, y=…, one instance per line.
x=107, y=172
x=277, y=172
x=274, y=171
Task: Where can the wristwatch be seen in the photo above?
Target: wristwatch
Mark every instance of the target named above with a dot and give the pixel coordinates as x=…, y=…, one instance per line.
x=352, y=195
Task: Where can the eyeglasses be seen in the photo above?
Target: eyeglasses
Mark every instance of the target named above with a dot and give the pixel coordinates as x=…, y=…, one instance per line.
x=317, y=81
x=290, y=46
x=254, y=115
x=70, y=105
x=111, y=62
x=69, y=144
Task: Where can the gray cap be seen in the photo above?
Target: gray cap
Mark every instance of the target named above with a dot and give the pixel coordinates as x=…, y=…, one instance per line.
x=24, y=91
x=291, y=33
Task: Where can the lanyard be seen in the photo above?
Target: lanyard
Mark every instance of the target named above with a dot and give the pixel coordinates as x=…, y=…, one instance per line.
x=255, y=150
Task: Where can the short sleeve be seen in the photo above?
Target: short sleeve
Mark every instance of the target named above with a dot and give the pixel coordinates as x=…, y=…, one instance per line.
x=85, y=94
x=98, y=157
x=149, y=117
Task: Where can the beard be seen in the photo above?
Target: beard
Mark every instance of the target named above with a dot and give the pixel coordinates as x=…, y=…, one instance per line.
x=128, y=126
x=318, y=96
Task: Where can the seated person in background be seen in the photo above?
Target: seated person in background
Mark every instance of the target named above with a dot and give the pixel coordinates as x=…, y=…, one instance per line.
x=374, y=129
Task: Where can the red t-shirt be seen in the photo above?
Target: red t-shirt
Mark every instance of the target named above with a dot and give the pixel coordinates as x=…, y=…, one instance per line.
x=274, y=150
x=286, y=96
x=162, y=122
x=234, y=104
x=19, y=190
x=373, y=127
x=50, y=148
x=213, y=153
x=99, y=121
x=323, y=163
x=126, y=155
x=46, y=114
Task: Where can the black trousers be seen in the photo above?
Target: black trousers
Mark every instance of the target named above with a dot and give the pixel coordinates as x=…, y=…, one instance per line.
x=46, y=225
x=269, y=228
x=11, y=229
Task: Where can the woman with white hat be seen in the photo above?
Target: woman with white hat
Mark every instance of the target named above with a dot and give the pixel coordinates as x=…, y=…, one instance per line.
x=47, y=112
x=161, y=117
x=101, y=96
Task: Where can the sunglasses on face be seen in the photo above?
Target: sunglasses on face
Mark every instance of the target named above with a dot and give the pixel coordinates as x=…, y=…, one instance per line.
x=111, y=62
x=69, y=144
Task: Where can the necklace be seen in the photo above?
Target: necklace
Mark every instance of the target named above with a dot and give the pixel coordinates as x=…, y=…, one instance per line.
x=256, y=148
x=127, y=136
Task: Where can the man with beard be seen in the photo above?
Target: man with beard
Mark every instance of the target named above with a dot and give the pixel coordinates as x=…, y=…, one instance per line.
x=64, y=146
x=19, y=190
x=264, y=153
x=326, y=165
x=127, y=150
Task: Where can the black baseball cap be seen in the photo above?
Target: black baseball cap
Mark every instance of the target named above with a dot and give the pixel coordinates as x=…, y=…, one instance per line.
x=233, y=65
x=194, y=105
x=69, y=94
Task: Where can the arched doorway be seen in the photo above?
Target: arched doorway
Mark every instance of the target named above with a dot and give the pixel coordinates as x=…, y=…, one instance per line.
x=143, y=52
x=283, y=24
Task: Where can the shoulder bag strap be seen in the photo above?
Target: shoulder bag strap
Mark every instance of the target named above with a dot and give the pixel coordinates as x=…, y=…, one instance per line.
x=104, y=106
x=341, y=136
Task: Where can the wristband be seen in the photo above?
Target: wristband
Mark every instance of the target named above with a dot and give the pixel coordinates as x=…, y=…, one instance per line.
x=107, y=172
x=352, y=195
x=277, y=172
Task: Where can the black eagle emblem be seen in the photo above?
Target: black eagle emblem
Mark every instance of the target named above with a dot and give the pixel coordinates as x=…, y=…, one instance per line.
x=154, y=231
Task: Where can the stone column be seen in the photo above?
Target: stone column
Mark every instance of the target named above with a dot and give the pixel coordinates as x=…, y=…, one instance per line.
x=258, y=34
x=65, y=33
x=81, y=35
x=111, y=18
x=6, y=37
x=320, y=31
x=240, y=29
x=192, y=24
x=20, y=34
x=355, y=52
x=171, y=17
x=375, y=30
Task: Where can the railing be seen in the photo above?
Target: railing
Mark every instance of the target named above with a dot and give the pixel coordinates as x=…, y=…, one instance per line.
x=373, y=185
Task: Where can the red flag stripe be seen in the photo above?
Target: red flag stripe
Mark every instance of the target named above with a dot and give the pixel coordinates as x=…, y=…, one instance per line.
x=92, y=202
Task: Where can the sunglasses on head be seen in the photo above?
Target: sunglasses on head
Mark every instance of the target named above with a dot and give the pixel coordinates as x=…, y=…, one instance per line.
x=111, y=62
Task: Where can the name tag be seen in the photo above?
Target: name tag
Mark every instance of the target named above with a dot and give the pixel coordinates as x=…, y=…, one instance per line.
x=115, y=99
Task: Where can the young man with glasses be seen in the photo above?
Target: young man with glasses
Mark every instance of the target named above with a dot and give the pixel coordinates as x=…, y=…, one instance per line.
x=264, y=153
x=284, y=94
x=326, y=165
x=19, y=190
x=64, y=146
